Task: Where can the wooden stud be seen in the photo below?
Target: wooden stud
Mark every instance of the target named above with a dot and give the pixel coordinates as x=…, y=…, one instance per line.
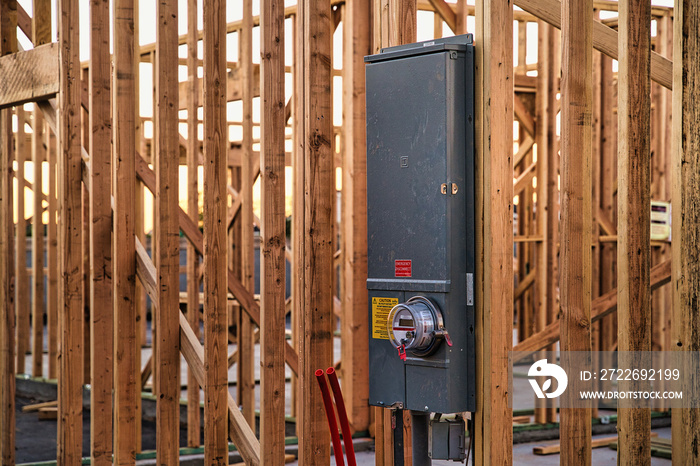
x=70, y=380
x=596, y=127
x=354, y=321
x=633, y=246
x=297, y=207
x=686, y=214
x=402, y=22
x=575, y=258
x=246, y=345
x=86, y=246
x=547, y=207
x=137, y=222
x=41, y=22
x=193, y=411
x=494, y=201
x=8, y=44
x=38, y=246
x=126, y=392
x=52, y=259
x=101, y=299
x=215, y=265
x=167, y=349
x=272, y=243
x=22, y=285
x=316, y=319
x=608, y=189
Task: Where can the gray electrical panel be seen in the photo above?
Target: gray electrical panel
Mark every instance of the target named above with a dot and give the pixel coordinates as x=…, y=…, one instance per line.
x=420, y=219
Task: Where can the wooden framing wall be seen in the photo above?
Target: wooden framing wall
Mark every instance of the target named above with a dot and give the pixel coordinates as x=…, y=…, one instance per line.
x=601, y=202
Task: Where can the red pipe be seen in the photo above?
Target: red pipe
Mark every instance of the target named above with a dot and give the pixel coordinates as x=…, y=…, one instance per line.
x=342, y=415
x=330, y=415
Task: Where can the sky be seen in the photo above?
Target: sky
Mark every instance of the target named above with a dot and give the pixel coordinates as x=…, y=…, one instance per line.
x=234, y=12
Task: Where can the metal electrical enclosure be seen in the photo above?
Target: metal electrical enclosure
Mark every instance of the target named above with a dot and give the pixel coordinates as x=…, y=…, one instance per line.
x=420, y=219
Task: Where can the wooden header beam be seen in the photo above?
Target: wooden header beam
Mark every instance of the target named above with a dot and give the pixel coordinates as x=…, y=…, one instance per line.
x=29, y=76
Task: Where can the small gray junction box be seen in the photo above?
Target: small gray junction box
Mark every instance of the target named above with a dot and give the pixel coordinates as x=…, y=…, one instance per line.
x=420, y=214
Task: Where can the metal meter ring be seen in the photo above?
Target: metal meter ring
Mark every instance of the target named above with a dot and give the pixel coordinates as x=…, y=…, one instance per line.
x=415, y=326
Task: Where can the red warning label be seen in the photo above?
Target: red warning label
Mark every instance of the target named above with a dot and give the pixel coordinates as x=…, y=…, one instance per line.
x=402, y=268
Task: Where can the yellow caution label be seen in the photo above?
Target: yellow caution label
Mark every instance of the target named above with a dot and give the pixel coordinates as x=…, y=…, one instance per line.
x=380, y=313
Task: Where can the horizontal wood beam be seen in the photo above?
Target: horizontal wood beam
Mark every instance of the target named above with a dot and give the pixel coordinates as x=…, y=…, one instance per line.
x=600, y=307
x=604, y=37
x=29, y=76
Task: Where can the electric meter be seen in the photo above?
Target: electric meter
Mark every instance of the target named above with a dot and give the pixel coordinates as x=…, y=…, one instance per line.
x=416, y=326
x=421, y=226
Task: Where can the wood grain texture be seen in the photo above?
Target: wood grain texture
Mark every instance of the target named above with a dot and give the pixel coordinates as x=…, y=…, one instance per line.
x=38, y=156
x=354, y=320
x=41, y=34
x=402, y=22
x=193, y=411
x=126, y=389
x=634, y=197
x=21, y=278
x=215, y=256
x=8, y=44
x=494, y=199
x=575, y=254
x=52, y=257
x=547, y=193
x=273, y=236
x=101, y=299
x=608, y=187
x=686, y=215
x=246, y=344
x=140, y=296
x=29, y=75
x=605, y=39
x=167, y=349
x=41, y=22
x=316, y=319
x=70, y=377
